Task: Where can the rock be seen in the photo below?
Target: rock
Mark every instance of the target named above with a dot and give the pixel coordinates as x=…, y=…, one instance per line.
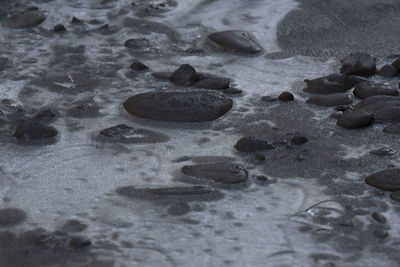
x=388, y=71
x=396, y=64
x=378, y=217
x=342, y=108
x=286, y=96
x=236, y=41
x=75, y=20
x=10, y=217
x=330, y=100
x=298, y=140
x=164, y=75
x=179, y=209
x=358, y=64
x=138, y=66
x=34, y=130
x=124, y=134
x=367, y=89
x=334, y=83
x=79, y=243
x=392, y=129
x=74, y=226
x=46, y=116
x=355, y=119
x=178, y=106
x=262, y=178
x=268, y=98
x=232, y=91
x=259, y=157
x=223, y=173
x=137, y=44
x=59, y=28
x=185, y=75
x=386, y=180
x=251, y=144
x=385, y=151
x=395, y=196
x=381, y=233
x=84, y=110
x=26, y=19
x=212, y=83
x=384, y=108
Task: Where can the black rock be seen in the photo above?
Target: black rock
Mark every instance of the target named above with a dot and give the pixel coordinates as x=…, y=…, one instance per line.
x=179, y=209
x=213, y=83
x=125, y=134
x=396, y=64
x=334, y=83
x=232, y=91
x=138, y=66
x=178, y=106
x=185, y=75
x=251, y=144
x=388, y=71
x=259, y=157
x=74, y=226
x=342, y=108
x=10, y=217
x=286, y=96
x=26, y=19
x=137, y=44
x=237, y=41
x=79, y=243
x=358, y=64
x=367, y=89
x=355, y=119
x=395, y=196
x=384, y=108
x=386, y=180
x=59, y=28
x=298, y=140
x=330, y=100
x=224, y=172
x=392, y=129
x=34, y=130
x=385, y=151
x=378, y=217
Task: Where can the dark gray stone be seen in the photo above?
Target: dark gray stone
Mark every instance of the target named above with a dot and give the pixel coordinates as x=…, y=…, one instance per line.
x=59, y=28
x=185, y=75
x=286, y=96
x=79, y=243
x=330, y=100
x=178, y=106
x=395, y=196
x=333, y=83
x=396, y=64
x=360, y=64
x=298, y=140
x=355, y=119
x=34, y=130
x=125, y=134
x=137, y=44
x=392, y=129
x=384, y=108
x=367, y=89
x=138, y=66
x=251, y=144
x=84, y=110
x=26, y=19
x=213, y=83
x=385, y=151
x=388, y=71
x=386, y=180
x=237, y=41
x=378, y=217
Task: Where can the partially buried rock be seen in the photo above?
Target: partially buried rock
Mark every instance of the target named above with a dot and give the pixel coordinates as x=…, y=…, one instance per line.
x=125, y=134
x=378, y=217
x=268, y=98
x=59, y=28
x=368, y=89
x=388, y=71
x=237, y=41
x=330, y=100
x=185, y=75
x=286, y=96
x=334, y=83
x=232, y=92
x=384, y=108
x=387, y=180
x=251, y=144
x=11, y=217
x=26, y=19
x=138, y=66
x=178, y=106
x=358, y=64
x=34, y=130
x=213, y=83
x=223, y=173
x=355, y=119
x=46, y=116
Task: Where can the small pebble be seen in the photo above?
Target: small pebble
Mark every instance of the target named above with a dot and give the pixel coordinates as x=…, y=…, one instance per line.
x=286, y=96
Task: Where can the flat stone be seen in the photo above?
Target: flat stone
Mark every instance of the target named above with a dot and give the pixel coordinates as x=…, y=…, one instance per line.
x=251, y=144
x=213, y=83
x=162, y=75
x=84, y=110
x=384, y=108
x=79, y=243
x=367, y=89
x=330, y=100
x=178, y=106
x=358, y=64
x=185, y=75
x=286, y=96
x=385, y=151
x=74, y=226
x=11, y=217
x=34, y=130
x=224, y=172
x=26, y=19
x=331, y=84
x=388, y=71
x=386, y=180
x=355, y=119
x=268, y=98
x=124, y=134
x=236, y=41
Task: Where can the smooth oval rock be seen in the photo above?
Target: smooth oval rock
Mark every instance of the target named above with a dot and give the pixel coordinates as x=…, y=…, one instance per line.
x=378, y=217
x=237, y=41
x=384, y=108
x=178, y=106
x=251, y=144
x=11, y=217
x=333, y=83
x=388, y=71
x=224, y=172
x=360, y=64
x=26, y=19
x=355, y=119
x=185, y=75
x=125, y=134
x=330, y=100
x=386, y=180
x=368, y=89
